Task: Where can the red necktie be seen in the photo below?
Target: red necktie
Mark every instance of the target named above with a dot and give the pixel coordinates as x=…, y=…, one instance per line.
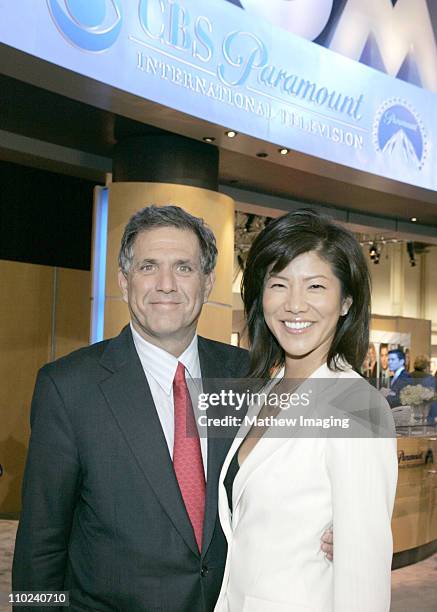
x=187, y=458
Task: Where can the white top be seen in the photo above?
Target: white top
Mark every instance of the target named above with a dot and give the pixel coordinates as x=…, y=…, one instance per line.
x=160, y=369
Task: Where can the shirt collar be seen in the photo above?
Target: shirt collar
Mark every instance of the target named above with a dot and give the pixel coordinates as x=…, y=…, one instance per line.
x=161, y=365
x=398, y=371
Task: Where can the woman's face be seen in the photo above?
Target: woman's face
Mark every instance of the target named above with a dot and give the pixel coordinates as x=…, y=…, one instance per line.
x=302, y=305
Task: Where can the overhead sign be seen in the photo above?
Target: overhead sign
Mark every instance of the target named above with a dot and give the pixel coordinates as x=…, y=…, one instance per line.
x=85, y=24
x=394, y=36
x=228, y=66
x=306, y=18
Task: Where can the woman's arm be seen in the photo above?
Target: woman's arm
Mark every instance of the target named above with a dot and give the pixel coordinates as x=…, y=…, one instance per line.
x=363, y=473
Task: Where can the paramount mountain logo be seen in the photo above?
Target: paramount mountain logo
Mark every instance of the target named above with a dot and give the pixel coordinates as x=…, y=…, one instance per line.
x=398, y=133
x=91, y=25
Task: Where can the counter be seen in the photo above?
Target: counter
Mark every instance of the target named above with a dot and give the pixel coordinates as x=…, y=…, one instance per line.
x=414, y=521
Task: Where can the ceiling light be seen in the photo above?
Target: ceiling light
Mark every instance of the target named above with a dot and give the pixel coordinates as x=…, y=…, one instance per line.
x=209, y=138
x=284, y=151
x=231, y=134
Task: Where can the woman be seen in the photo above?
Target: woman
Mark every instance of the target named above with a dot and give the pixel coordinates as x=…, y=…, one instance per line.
x=306, y=293
x=370, y=368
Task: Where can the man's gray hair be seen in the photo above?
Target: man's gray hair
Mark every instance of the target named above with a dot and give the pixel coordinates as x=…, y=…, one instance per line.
x=152, y=217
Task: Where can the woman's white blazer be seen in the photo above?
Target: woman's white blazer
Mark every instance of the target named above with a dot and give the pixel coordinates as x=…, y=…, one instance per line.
x=288, y=491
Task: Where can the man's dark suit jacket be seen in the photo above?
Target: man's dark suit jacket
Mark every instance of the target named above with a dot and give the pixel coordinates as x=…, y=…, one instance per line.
x=102, y=514
x=402, y=381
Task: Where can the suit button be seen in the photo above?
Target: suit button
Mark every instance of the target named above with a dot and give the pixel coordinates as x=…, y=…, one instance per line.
x=204, y=572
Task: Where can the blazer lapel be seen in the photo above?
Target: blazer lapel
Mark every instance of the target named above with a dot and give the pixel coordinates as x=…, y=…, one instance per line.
x=223, y=506
x=263, y=450
x=275, y=437
x=130, y=400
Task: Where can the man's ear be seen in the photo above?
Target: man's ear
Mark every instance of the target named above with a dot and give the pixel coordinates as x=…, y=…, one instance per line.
x=209, y=283
x=122, y=283
x=347, y=303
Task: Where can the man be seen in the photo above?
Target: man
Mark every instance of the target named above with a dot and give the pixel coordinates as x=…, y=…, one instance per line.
x=116, y=509
x=384, y=371
x=400, y=379
x=371, y=364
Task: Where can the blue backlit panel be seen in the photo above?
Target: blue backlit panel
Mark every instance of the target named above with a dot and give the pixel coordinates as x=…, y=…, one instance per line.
x=100, y=234
x=220, y=63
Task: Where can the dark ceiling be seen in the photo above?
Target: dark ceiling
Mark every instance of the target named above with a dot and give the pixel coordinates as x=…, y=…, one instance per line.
x=39, y=114
x=266, y=177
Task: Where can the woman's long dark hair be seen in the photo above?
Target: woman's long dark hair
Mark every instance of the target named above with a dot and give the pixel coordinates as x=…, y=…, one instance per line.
x=275, y=247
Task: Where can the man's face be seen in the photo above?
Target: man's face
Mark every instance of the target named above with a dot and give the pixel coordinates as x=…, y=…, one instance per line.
x=371, y=354
x=383, y=357
x=165, y=287
x=394, y=362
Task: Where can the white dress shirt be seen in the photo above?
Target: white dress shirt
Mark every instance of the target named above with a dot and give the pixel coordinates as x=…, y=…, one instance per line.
x=160, y=369
x=396, y=374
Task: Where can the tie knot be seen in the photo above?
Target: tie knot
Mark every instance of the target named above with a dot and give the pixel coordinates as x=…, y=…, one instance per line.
x=179, y=376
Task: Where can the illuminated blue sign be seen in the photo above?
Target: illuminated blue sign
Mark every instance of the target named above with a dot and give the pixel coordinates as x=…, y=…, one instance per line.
x=394, y=36
x=223, y=64
x=400, y=134
x=85, y=23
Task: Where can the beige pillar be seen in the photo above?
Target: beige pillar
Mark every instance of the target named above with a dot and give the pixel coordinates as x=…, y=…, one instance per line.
x=397, y=279
x=217, y=210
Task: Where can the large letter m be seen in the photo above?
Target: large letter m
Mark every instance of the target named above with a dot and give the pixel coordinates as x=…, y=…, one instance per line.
x=403, y=33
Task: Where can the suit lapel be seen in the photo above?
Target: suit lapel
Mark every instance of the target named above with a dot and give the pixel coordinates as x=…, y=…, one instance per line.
x=130, y=400
x=212, y=371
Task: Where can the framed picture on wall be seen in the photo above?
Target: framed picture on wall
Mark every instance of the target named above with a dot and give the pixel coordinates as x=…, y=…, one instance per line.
x=375, y=366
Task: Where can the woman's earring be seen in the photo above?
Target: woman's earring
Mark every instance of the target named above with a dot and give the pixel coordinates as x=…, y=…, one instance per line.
x=346, y=306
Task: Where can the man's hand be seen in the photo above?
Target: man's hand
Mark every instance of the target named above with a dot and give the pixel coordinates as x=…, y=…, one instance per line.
x=327, y=544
